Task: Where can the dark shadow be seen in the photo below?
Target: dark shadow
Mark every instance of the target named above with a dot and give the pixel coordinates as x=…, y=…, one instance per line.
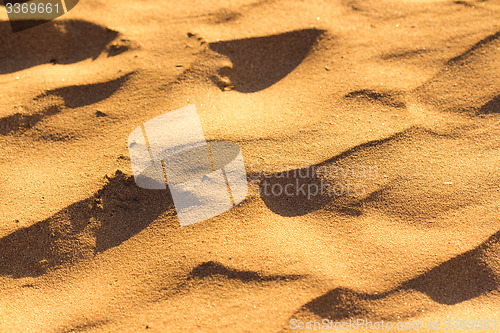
x=459, y=279
x=493, y=106
x=298, y=192
x=354, y=207
x=61, y=42
x=403, y=54
x=127, y=209
x=463, y=3
x=215, y=269
x=388, y=98
x=260, y=62
x=114, y=214
x=82, y=95
x=18, y=122
x=73, y=97
x=117, y=48
x=462, y=58
x=91, y=325
x=293, y=192
x=223, y=16
x=341, y=303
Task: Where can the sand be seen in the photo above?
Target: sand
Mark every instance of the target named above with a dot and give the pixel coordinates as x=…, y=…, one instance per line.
x=397, y=99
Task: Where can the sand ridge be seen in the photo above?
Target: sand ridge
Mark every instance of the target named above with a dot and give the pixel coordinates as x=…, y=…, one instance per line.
x=409, y=88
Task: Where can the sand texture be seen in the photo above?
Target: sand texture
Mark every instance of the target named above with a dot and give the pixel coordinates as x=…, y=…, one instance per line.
x=401, y=98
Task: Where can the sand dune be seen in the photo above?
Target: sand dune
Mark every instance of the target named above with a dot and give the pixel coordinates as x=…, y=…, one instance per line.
x=385, y=111
x=464, y=277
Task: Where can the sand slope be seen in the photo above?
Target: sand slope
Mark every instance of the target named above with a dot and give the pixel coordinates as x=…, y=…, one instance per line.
x=407, y=89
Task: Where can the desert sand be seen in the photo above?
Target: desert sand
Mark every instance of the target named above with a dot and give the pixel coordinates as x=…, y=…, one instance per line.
x=407, y=90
